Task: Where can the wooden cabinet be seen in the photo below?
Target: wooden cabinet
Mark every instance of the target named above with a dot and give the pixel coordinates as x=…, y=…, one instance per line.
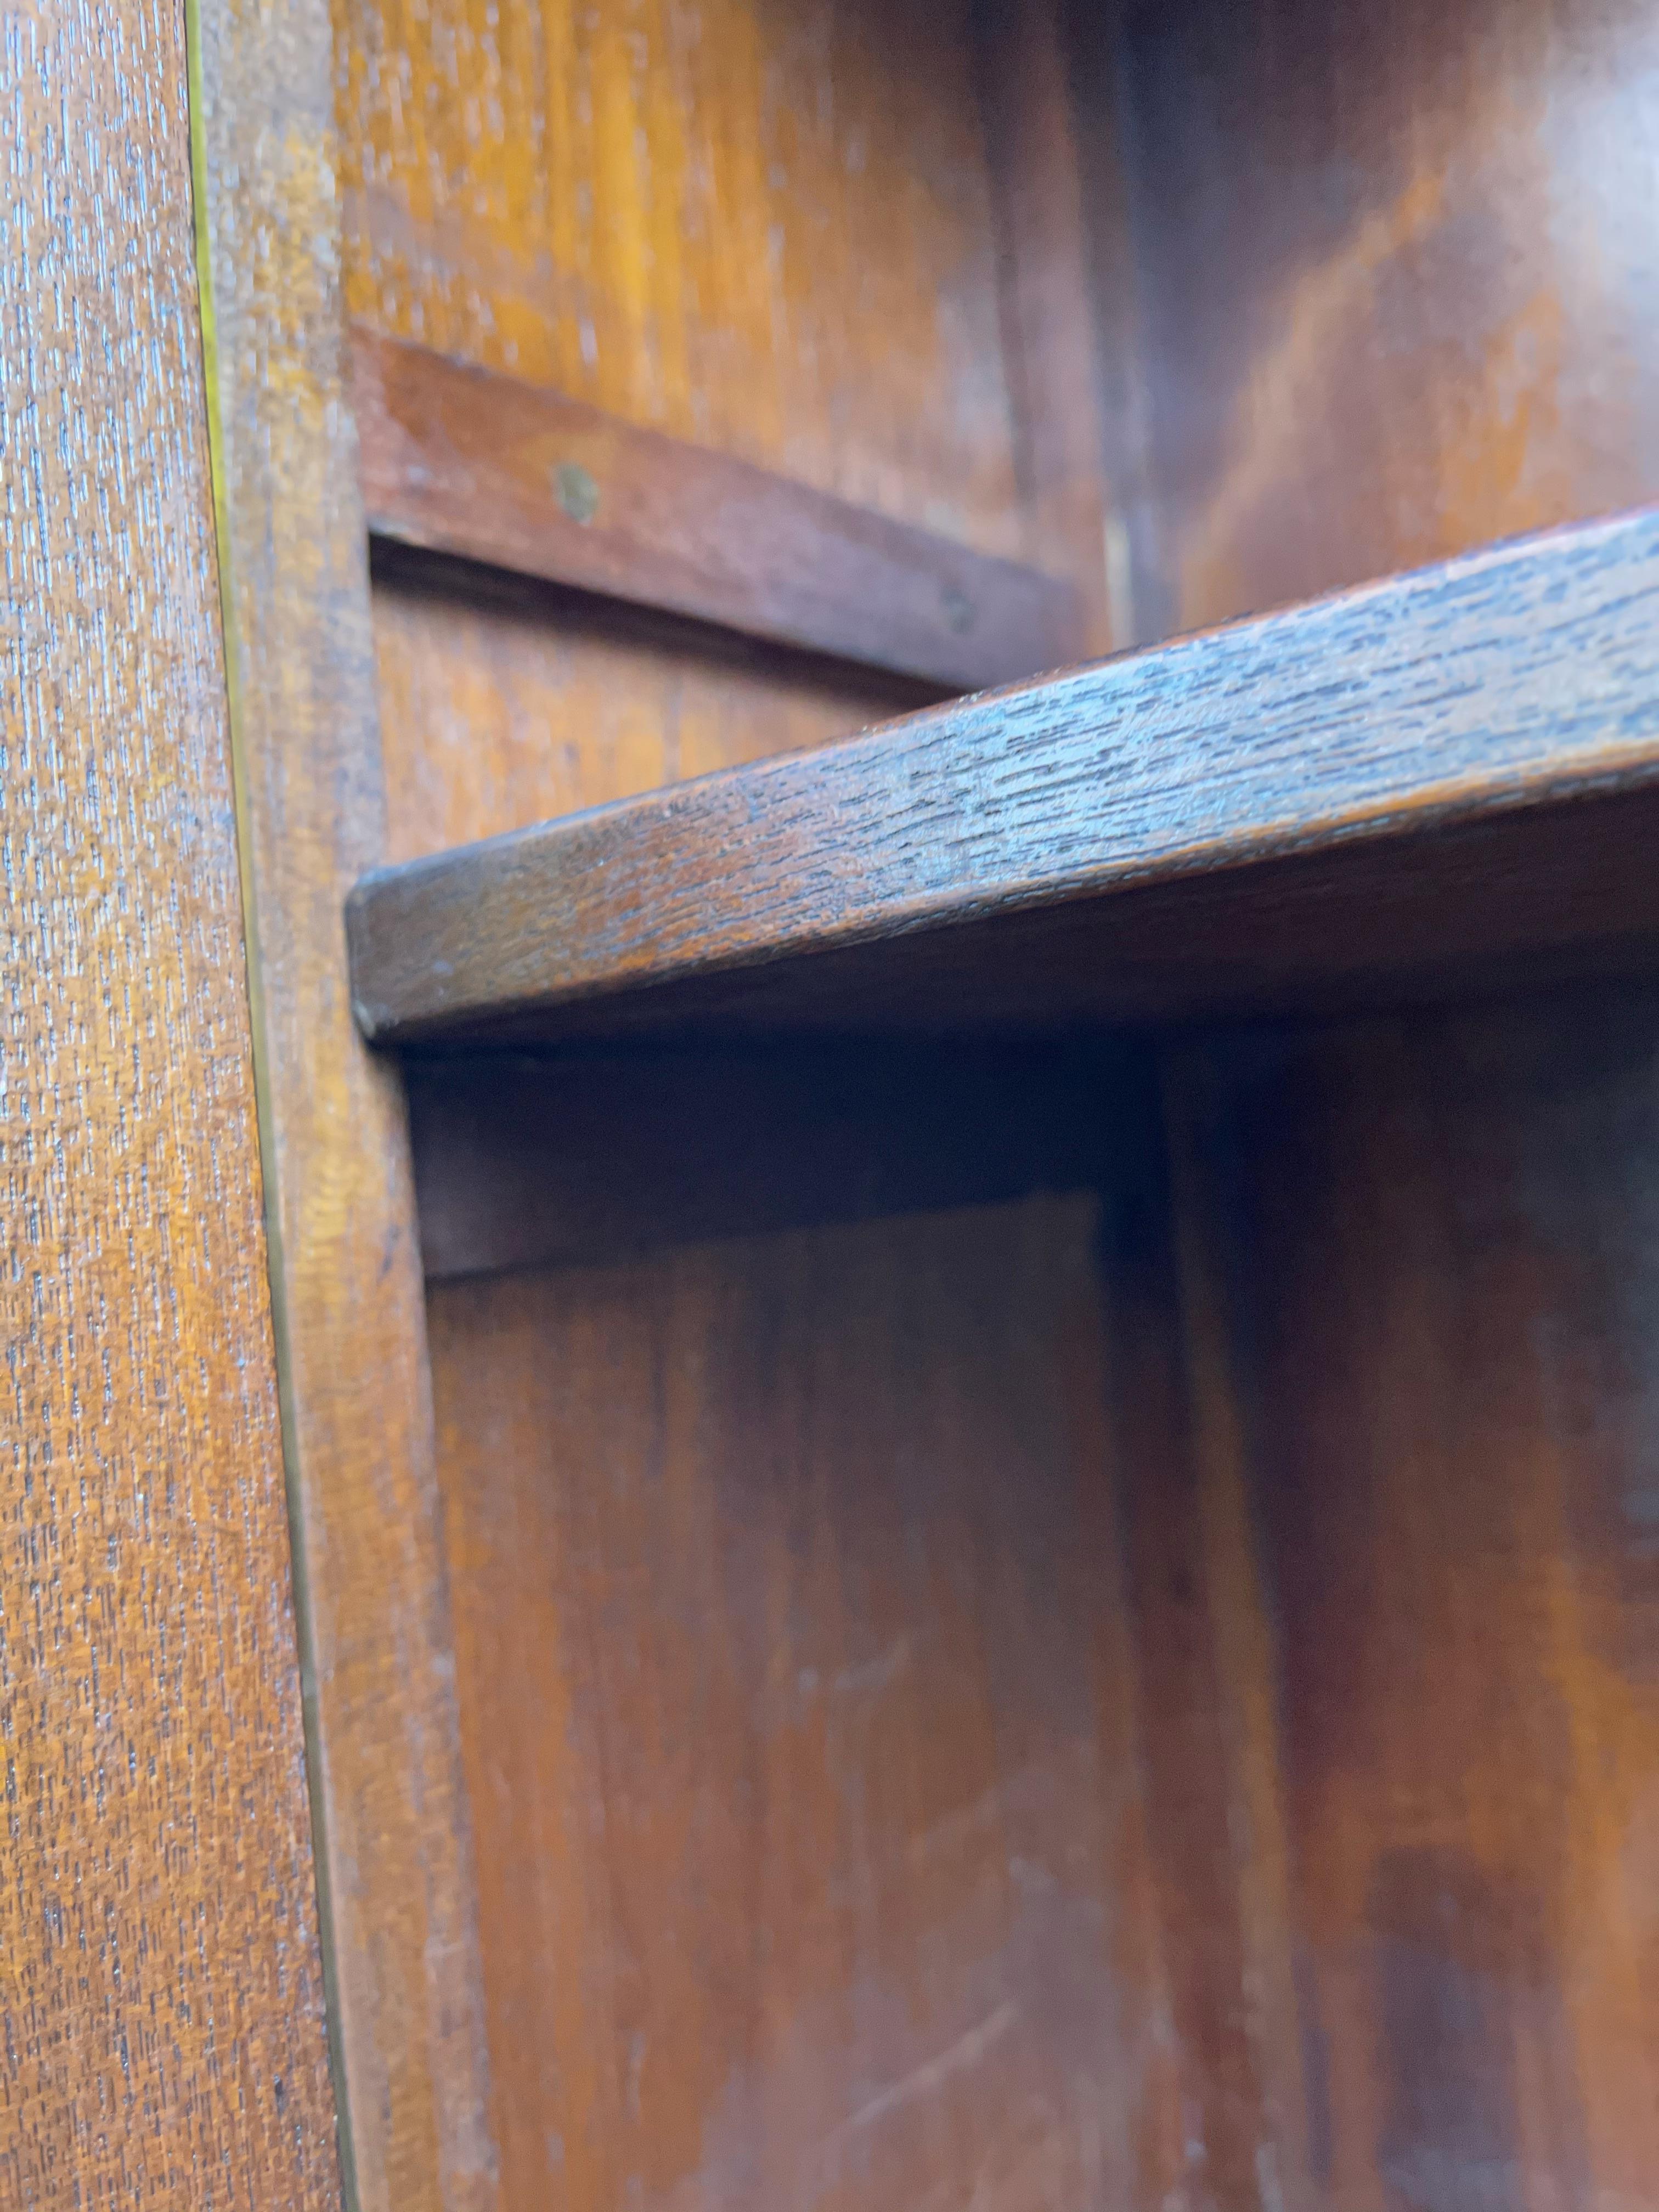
x=944, y=725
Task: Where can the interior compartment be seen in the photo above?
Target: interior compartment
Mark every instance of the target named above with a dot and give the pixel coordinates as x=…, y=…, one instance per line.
x=1071, y=1620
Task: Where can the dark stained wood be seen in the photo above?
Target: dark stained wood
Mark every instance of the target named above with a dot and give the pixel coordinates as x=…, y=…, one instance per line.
x=1222, y=2115
x=465, y=460
x=524, y=1160
x=391, y=1814
x=785, y=1578
x=1391, y=288
x=1420, y=1284
x=1478, y=699
x=162, y=2038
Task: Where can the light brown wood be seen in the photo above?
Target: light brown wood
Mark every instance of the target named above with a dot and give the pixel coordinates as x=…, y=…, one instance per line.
x=469, y=461
x=766, y=231
x=390, y=1811
x=502, y=703
x=161, y=1992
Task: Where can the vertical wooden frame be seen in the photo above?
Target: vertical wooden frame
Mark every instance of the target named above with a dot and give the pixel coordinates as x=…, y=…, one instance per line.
x=162, y=2039
x=390, y=1814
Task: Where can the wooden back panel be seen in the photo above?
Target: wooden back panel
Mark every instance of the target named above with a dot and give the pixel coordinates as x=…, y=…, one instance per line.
x=782, y=1570
x=1379, y=285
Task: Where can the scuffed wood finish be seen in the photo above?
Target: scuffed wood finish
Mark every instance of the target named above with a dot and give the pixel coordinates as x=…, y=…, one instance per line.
x=1463, y=699
x=161, y=2014
x=1421, y=1277
x=391, y=1814
x=1398, y=276
x=469, y=461
x=762, y=229
x=784, y=1573
x=503, y=702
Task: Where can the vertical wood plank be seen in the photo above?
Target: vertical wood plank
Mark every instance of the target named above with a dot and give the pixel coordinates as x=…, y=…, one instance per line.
x=1220, y=2119
x=161, y=2011
x=392, y=1820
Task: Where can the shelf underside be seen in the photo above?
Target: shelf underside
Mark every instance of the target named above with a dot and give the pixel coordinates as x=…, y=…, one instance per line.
x=1449, y=776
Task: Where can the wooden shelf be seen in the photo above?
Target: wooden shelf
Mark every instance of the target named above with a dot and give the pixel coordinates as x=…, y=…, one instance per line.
x=1448, y=772
x=469, y=462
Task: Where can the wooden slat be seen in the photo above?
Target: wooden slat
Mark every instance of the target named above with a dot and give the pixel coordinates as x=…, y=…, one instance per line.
x=469, y=461
x=398, y=1885
x=1044, y=850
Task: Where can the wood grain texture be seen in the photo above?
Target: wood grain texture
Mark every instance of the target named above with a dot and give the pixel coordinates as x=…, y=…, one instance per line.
x=765, y=228
x=503, y=702
x=1396, y=284
x=784, y=1572
x=162, y=2013
x=1421, y=1280
x=1459, y=696
x=391, y=1814
x=470, y=461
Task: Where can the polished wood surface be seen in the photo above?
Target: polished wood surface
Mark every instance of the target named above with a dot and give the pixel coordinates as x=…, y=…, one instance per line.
x=1379, y=284
x=161, y=1987
x=780, y=1565
x=470, y=461
x=765, y=229
x=392, y=1815
x=1418, y=1269
x=1498, y=685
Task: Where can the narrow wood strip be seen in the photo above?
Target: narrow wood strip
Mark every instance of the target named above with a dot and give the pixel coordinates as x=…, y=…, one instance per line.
x=1462, y=698
x=398, y=1887
x=469, y=461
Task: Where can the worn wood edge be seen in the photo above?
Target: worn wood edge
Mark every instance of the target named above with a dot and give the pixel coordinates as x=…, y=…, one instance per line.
x=366, y=2183
x=281, y=1346
x=555, y=917
x=854, y=591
